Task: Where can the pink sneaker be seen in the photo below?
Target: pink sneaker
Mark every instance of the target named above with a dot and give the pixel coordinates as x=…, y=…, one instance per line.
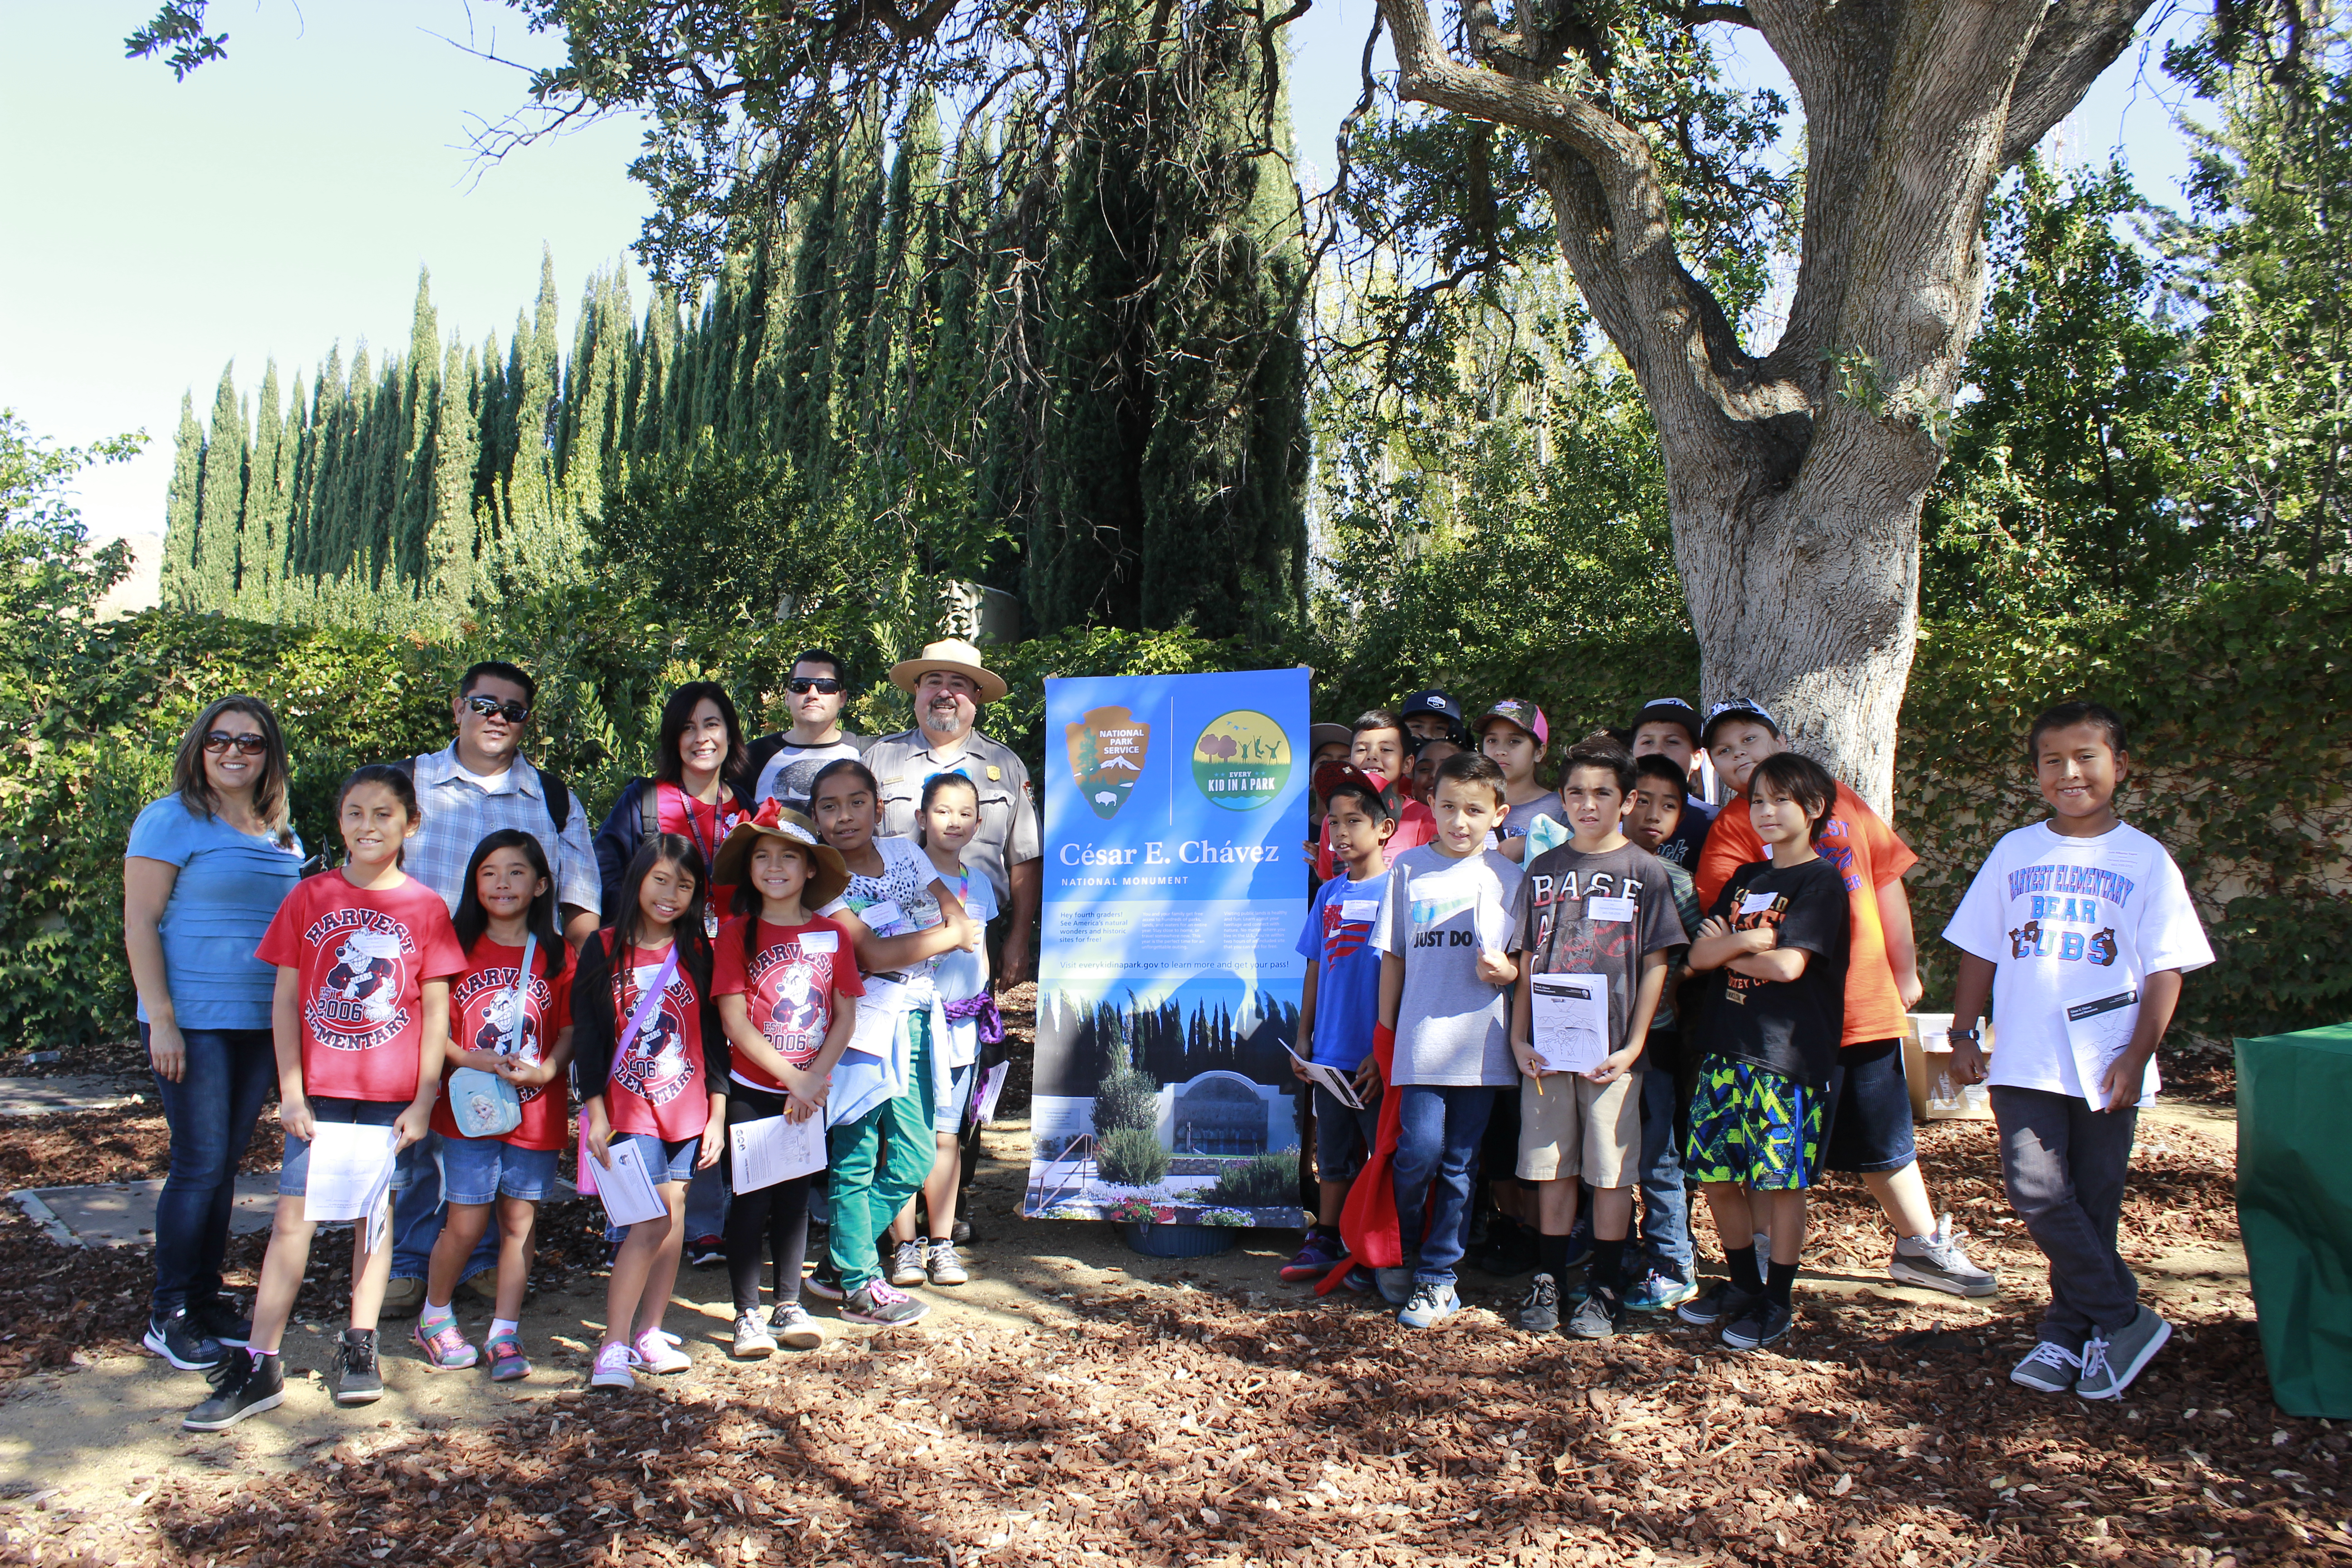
x=446, y=1349
x=613, y=1369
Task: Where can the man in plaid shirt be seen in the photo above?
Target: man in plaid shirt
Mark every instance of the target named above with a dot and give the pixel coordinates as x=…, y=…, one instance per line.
x=479, y=784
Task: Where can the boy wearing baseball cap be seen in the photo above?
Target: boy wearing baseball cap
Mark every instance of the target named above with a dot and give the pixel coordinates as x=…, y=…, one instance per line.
x=1433, y=714
x=1669, y=726
x=1513, y=735
x=1867, y=1130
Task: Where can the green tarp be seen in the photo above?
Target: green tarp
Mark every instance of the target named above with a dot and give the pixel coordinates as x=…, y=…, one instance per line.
x=2294, y=1210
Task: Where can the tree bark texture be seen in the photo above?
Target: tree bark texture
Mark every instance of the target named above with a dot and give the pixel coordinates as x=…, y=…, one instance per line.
x=1794, y=479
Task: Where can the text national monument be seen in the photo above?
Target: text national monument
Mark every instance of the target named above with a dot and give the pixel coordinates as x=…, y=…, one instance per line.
x=1169, y=985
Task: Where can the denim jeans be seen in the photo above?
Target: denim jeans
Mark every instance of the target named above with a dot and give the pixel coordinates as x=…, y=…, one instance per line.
x=417, y=1217
x=211, y=1112
x=2065, y=1165
x=1438, y=1132
x=1666, y=1202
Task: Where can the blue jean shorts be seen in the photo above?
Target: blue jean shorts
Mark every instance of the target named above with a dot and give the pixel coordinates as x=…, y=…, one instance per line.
x=1869, y=1119
x=948, y=1115
x=483, y=1169
x=294, y=1171
x=665, y=1161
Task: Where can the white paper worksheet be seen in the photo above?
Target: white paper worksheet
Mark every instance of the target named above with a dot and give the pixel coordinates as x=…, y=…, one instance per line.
x=876, y=1032
x=1569, y=1026
x=2098, y=1028
x=627, y=1187
x=1341, y=1085
x=985, y=1094
x=350, y=1170
x=775, y=1148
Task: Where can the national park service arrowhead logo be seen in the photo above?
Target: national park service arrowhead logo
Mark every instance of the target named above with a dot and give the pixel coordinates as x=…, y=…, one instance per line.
x=1107, y=752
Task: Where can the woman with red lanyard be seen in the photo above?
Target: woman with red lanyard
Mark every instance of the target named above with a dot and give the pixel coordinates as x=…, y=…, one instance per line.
x=699, y=791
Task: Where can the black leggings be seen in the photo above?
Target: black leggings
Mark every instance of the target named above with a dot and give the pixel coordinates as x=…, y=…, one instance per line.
x=777, y=1216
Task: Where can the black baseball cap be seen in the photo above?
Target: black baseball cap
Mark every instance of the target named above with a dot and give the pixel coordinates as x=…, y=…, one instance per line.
x=1435, y=699
x=1739, y=707
x=1669, y=711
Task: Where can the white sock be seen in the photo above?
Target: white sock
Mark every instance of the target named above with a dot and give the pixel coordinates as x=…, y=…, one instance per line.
x=433, y=1317
x=503, y=1326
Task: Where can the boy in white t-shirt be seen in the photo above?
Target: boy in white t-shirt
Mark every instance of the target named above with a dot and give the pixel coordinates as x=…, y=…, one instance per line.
x=2078, y=930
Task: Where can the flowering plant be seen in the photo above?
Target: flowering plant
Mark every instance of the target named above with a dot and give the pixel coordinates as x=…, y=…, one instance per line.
x=1142, y=1211
x=1238, y=1218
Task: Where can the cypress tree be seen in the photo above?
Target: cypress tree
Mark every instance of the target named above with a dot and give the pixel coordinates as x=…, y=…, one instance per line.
x=182, y=503
x=268, y=492
x=221, y=511
x=805, y=424
x=447, y=567
x=415, y=469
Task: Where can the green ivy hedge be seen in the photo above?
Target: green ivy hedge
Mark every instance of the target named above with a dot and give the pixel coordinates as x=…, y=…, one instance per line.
x=2235, y=701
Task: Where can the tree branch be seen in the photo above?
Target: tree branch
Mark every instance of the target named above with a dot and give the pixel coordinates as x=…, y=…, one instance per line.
x=2077, y=40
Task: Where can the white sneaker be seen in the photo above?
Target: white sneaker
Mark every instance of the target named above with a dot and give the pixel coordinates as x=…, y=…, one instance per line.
x=613, y=1369
x=752, y=1340
x=655, y=1353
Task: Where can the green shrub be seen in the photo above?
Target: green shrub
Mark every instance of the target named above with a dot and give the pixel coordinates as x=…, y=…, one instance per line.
x=1261, y=1181
x=1127, y=1097
x=1131, y=1157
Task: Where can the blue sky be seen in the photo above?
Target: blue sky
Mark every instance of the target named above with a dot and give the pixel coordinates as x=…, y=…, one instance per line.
x=283, y=200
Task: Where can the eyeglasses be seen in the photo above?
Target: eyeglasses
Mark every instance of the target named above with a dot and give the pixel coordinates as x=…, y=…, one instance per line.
x=801, y=686
x=490, y=707
x=219, y=741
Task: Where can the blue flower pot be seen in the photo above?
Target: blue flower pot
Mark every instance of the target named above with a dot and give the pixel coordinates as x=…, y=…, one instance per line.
x=1180, y=1240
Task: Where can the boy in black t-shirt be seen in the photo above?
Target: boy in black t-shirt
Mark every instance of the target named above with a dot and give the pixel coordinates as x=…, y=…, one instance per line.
x=1778, y=932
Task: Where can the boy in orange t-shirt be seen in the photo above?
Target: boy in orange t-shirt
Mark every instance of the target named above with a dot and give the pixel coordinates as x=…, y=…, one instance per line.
x=1869, y=1130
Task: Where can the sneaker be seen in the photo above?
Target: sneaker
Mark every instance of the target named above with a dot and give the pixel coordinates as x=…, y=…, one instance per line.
x=705, y=1251
x=358, y=1380
x=825, y=1282
x=942, y=1266
x=1938, y=1263
x=178, y=1340
x=2048, y=1368
x=1723, y=1302
x=485, y=1286
x=508, y=1363
x=881, y=1303
x=447, y=1348
x=752, y=1340
x=657, y=1353
x=1395, y=1285
x=243, y=1384
x=961, y=1234
x=907, y=1265
x=1659, y=1291
x=1323, y=1253
x=612, y=1368
x=404, y=1298
x=1539, y=1308
x=1597, y=1316
x=791, y=1323
x=1358, y=1280
x=217, y=1318
x=2110, y=1362
x=1764, y=1321
x=1431, y=1305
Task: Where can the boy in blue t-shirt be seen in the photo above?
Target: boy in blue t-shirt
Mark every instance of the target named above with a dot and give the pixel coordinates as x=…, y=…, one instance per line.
x=1342, y=1001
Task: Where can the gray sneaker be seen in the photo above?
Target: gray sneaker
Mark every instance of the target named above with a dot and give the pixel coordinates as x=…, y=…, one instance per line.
x=1431, y=1305
x=2110, y=1362
x=2048, y=1368
x=752, y=1340
x=944, y=1267
x=907, y=1265
x=1938, y=1263
x=791, y=1323
x=358, y=1381
x=1539, y=1309
x=1597, y=1316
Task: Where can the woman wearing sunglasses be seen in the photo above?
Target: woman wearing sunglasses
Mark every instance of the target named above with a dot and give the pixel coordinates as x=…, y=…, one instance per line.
x=205, y=869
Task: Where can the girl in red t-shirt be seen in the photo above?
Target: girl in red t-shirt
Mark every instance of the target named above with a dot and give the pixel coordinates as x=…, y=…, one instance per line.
x=520, y=1027
x=788, y=985
x=364, y=955
x=653, y=1068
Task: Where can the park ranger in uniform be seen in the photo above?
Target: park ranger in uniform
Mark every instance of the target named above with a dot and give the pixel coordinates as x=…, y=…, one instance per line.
x=950, y=687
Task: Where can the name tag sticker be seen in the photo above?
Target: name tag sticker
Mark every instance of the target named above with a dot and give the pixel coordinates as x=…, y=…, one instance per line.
x=882, y=916
x=1609, y=909
x=819, y=942
x=1758, y=903
x=1359, y=909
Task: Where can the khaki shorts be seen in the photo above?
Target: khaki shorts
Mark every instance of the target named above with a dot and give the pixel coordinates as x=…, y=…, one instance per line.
x=1579, y=1128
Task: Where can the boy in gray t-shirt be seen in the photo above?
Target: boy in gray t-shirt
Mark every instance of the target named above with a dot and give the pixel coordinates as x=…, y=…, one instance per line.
x=1445, y=982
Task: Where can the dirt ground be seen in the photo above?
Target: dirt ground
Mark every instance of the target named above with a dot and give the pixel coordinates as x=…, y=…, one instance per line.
x=1081, y=1404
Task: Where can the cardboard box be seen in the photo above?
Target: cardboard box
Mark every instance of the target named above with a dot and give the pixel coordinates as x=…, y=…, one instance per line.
x=1925, y=1052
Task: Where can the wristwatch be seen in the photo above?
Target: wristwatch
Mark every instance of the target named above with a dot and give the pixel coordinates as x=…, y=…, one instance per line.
x=1971, y=1036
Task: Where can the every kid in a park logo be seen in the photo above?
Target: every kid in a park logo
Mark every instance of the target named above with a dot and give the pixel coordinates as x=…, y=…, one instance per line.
x=1107, y=752
x=1242, y=760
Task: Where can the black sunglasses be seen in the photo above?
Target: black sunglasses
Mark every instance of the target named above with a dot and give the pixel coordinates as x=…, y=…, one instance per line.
x=799, y=686
x=219, y=741
x=513, y=713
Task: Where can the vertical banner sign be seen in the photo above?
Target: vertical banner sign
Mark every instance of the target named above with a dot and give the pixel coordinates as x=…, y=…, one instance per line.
x=1168, y=980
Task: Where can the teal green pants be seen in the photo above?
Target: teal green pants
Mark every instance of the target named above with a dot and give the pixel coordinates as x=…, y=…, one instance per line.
x=878, y=1163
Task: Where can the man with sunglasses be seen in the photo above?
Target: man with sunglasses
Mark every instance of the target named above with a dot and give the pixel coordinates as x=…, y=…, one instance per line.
x=481, y=783
x=784, y=765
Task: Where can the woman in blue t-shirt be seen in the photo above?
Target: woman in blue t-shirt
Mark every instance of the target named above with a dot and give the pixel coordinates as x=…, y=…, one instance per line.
x=205, y=869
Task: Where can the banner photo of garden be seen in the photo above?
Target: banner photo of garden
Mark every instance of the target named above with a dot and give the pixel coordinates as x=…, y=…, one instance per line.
x=1169, y=983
